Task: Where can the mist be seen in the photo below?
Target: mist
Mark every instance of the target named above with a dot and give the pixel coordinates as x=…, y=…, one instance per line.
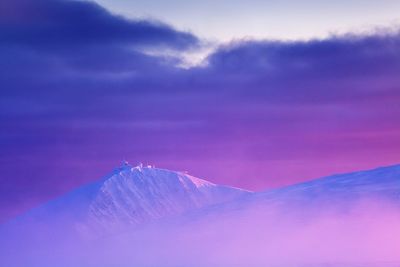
x=364, y=234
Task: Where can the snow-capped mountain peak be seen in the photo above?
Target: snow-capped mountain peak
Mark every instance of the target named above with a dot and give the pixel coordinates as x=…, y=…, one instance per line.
x=132, y=196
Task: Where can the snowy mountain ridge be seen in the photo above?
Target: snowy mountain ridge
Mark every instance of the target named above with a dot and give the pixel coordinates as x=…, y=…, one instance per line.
x=131, y=196
x=146, y=216
x=340, y=192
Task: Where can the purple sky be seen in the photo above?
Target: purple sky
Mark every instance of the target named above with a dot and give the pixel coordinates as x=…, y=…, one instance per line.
x=81, y=90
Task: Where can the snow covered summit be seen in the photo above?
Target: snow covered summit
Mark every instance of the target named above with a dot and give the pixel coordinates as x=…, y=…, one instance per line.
x=132, y=196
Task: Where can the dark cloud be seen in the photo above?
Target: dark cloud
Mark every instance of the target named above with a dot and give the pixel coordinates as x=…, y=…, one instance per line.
x=324, y=70
x=65, y=23
x=78, y=94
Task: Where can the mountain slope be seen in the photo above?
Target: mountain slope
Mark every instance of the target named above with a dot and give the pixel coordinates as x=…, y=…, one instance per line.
x=340, y=192
x=141, y=194
x=132, y=196
x=381, y=182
